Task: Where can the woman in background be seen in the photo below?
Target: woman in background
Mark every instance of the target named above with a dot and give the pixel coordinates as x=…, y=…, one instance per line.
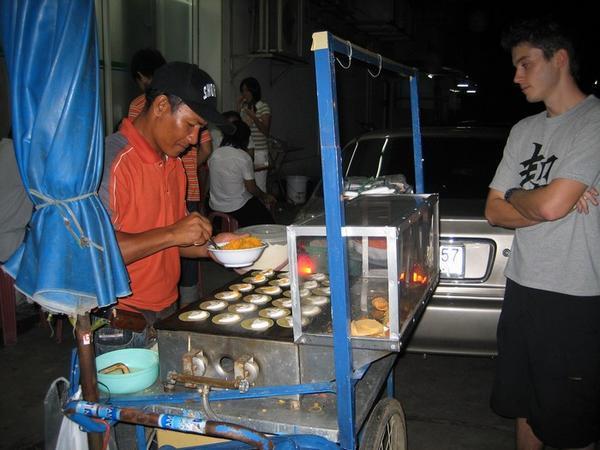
x=257, y=115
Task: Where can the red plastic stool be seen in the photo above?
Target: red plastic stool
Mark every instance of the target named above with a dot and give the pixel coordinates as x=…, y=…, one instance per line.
x=227, y=223
x=8, y=312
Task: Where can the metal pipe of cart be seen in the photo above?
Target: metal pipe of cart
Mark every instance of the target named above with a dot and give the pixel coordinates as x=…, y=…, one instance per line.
x=87, y=363
x=222, y=395
x=172, y=422
x=213, y=382
x=334, y=221
x=416, y=127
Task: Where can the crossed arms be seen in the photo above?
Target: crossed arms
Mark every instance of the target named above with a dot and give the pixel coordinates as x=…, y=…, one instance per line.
x=529, y=207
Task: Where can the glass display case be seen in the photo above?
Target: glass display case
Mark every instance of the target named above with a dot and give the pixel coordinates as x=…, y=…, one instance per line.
x=392, y=243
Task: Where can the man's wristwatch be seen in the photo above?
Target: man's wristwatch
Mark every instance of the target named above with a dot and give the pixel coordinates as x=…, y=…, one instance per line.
x=508, y=194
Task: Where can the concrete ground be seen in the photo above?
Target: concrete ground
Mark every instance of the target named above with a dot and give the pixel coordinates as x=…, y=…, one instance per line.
x=28, y=368
x=445, y=398
x=446, y=403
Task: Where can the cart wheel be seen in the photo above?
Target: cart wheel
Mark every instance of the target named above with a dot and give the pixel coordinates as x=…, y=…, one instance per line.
x=385, y=428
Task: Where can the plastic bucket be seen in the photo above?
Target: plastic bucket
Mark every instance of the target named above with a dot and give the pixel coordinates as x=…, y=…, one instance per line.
x=275, y=255
x=296, y=188
x=142, y=363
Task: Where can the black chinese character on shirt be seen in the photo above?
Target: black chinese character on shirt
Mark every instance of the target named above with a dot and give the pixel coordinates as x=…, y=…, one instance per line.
x=536, y=169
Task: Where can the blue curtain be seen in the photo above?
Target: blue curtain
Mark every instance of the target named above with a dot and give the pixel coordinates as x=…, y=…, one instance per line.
x=70, y=261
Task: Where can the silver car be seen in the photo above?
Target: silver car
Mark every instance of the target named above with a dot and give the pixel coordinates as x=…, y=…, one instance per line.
x=458, y=163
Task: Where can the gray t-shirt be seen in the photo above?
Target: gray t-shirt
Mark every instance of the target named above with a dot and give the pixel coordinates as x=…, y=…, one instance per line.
x=562, y=255
x=112, y=146
x=15, y=206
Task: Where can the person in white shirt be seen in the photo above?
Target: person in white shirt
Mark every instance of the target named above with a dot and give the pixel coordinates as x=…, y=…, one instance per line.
x=233, y=189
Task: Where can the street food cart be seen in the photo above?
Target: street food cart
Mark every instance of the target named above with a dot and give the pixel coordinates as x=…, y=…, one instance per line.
x=303, y=356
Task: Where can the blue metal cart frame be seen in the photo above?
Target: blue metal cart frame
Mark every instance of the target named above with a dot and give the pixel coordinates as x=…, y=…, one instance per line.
x=325, y=46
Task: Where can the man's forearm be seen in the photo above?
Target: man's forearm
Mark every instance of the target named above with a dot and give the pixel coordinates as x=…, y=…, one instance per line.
x=548, y=203
x=531, y=204
x=501, y=213
x=135, y=246
x=193, y=251
x=528, y=207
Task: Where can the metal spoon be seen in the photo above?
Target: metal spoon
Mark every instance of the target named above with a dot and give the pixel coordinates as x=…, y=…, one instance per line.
x=214, y=244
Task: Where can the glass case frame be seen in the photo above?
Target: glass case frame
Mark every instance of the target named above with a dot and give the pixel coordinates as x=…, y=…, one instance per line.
x=400, y=220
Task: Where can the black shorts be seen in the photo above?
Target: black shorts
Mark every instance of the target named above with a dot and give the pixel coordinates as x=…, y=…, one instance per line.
x=548, y=365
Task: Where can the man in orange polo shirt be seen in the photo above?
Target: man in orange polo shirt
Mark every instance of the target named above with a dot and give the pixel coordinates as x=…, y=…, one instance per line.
x=143, y=65
x=146, y=194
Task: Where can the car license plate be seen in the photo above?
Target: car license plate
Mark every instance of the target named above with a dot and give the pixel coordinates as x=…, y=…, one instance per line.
x=452, y=261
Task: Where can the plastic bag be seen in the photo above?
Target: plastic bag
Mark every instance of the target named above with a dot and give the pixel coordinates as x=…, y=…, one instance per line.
x=60, y=432
x=71, y=437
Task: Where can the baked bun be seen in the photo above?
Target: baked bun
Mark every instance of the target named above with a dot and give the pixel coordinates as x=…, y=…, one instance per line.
x=366, y=327
x=380, y=303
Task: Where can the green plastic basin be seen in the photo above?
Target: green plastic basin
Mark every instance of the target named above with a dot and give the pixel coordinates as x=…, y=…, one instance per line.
x=143, y=366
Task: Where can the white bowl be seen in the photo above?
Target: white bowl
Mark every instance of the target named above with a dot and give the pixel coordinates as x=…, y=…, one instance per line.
x=237, y=258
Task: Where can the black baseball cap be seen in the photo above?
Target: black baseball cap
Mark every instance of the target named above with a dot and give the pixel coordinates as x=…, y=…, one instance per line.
x=195, y=87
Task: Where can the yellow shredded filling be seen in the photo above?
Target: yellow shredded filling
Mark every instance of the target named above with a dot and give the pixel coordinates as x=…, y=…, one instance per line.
x=241, y=243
